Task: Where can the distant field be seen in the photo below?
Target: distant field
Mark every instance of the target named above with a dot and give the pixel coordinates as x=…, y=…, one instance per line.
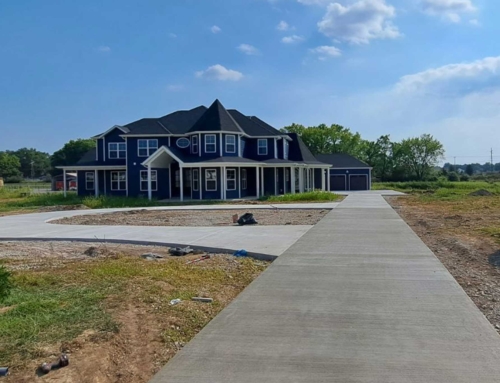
x=28, y=185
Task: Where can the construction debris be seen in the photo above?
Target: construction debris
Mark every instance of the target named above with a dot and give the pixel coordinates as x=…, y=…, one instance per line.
x=63, y=361
x=91, y=251
x=202, y=299
x=174, y=302
x=240, y=253
x=180, y=251
x=151, y=256
x=4, y=371
x=206, y=256
x=247, y=219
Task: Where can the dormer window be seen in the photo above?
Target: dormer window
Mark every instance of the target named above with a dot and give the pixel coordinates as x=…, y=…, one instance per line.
x=262, y=147
x=117, y=150
x=230, y=144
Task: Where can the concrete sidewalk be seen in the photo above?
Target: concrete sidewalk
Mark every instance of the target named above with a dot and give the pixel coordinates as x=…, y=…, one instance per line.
x=359, y=298
x=258, y=240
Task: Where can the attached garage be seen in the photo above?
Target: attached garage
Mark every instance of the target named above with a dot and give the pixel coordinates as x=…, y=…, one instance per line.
x=347, y=172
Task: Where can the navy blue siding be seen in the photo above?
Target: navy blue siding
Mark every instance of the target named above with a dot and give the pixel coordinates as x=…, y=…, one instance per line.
x=226, y=154
x=113, y=136
x=100, y=152
x=81, y=184
x=217, y=147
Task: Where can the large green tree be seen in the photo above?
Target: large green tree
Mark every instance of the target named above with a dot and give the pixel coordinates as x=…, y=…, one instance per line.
x=420, y=154
x=379, y=154
x=324, y=139
x=27, y=157
x=71, y=153
x=9, y=166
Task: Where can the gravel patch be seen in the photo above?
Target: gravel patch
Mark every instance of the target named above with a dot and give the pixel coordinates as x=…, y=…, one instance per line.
x=196, y=217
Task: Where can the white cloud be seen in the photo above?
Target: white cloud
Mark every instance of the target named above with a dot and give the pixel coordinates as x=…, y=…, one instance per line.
x=172, y=35
x=292, y=39
x=476, y=70
x=248, y=49
x=218, y=72
x=215, y=29
x=104, y=48
x=326, y=51
x=449, y=10
x=283, y=26
x=175, y=88
x=474, y=22
x=359, y=22
x=315, y=2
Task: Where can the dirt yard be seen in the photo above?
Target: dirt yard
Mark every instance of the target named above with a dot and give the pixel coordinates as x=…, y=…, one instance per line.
x=464, y=234
x=107, y=307
x=145, y=217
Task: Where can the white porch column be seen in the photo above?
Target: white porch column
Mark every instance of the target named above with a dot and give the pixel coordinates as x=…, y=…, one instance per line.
x=64, y=183
x=328, y=179
x=200, y=182
x=150, y=190
x=181, y=182
x=323, y=172
x=239, y=182
x=257, y=191
x=223, y=183
x=301, y=180
x=96, y=183
x=292, y=180
x=313, y=179
x=263, y=191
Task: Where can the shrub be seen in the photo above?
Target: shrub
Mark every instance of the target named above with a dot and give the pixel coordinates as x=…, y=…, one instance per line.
x=453, y=177
x=5, y=283
x=301, y=197
x=14, y=180
x=464, y=178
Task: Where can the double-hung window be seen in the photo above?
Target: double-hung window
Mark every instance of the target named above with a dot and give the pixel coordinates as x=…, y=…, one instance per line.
x=118, y=181
x=89, y=181
x=196, y=179
x=194, y=144
x=210, y=179
x=210, y=143
x=146, y=147
x=230, y=144
x=117, y=150
x=262, y=147
x=244, y=182
x=144, y=180
x=230, y=179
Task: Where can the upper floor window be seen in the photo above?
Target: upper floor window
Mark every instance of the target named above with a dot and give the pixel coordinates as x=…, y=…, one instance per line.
x=194, y=144
x=210, y=143
x=144, y=180
x=117, y=150
x=286, y=150
x=183, y=143
x=230, y=144
x=262, y=146
x=146, y=147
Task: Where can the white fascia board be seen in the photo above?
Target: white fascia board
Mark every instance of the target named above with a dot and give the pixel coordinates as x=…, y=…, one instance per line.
x=158, y=153
x=108, y=131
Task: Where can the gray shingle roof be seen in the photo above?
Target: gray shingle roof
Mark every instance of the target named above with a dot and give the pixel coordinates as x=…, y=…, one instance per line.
x=253, y=126
x=180, y=122
x=216, y=118
x=298, y=151
x=341, y=160
x=88, y=158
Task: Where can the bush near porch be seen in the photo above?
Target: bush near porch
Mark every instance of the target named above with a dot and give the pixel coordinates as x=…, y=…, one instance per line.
x=312, y=196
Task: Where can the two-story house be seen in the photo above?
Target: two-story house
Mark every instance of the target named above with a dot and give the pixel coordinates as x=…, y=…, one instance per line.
x=200, y=153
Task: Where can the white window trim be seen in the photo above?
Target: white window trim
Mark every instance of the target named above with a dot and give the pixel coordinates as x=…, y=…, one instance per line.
x=152, y=181
x=195, y=178
x=148, y=148
x=117, y=150
x=194, y=144
x=206, y=179
x=244, y=179
x=86, y=181
x=235, y=179
x=234, y=143
x=183, y=138
x=118, y=181
x=286, y=149
x=258, y=146
x=214, y=143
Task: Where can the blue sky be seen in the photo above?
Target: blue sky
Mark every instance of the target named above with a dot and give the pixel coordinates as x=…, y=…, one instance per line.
x=401, y=67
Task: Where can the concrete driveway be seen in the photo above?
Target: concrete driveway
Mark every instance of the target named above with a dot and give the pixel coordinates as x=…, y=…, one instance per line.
x=258, y=240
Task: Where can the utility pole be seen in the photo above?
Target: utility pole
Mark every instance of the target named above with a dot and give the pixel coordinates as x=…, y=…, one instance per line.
x=491, y=162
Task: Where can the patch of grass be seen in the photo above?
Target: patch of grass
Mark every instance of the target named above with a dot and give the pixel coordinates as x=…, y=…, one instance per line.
x=58, y=302
x=312, y=196
x=492, y=232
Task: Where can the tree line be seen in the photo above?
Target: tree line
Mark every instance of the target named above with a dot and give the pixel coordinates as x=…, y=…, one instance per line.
x=17, y=165
x=409, y=159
